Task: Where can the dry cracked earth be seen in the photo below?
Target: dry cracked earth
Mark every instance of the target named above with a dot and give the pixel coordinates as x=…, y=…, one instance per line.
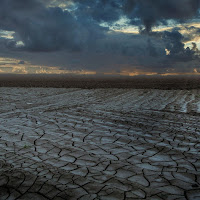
x=99, y=144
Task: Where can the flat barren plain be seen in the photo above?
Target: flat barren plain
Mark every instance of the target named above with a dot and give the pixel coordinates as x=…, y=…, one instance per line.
x=118, y=143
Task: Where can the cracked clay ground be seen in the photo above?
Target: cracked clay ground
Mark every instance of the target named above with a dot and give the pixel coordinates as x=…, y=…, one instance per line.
x=99, y=144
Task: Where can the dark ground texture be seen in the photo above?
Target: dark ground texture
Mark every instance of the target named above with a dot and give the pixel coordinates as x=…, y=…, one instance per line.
x=107, y=143
x=93, y=81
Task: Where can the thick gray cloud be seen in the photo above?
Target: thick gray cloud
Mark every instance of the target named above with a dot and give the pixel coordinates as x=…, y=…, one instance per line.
x=43, y=28
x=99, y=10
x=141, y=12
x=152, y=12
x=46, y=29
x=74, y=38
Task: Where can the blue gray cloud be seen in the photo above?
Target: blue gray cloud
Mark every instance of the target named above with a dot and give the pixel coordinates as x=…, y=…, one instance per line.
x=58, y=36
x=154, y=12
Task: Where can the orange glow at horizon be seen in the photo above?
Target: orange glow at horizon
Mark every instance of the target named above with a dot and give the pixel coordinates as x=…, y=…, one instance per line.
x=13, y=66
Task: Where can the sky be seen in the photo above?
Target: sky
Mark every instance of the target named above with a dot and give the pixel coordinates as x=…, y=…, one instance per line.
x=123, y=37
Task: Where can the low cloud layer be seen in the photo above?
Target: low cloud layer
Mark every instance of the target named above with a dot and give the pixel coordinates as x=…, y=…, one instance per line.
x=77, y=34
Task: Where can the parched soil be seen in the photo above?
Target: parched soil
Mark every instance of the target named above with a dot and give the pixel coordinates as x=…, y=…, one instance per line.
x=99, y=144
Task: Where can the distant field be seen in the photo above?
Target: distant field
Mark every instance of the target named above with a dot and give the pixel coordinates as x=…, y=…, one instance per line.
x=90, y=82
x=99, y=144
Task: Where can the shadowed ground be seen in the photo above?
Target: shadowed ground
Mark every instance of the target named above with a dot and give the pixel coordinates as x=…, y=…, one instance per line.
x=99, y=144
x=95, y=81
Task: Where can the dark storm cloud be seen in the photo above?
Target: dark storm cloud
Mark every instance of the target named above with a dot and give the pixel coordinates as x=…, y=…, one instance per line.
x=152, y=12
x=121, y=51
x=74, y=37
x=45, y=29
x=100, y=10
x=174, y=43
x=140, y=12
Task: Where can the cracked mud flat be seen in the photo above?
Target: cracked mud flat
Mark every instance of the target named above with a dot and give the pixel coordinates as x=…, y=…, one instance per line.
x=99, y=144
